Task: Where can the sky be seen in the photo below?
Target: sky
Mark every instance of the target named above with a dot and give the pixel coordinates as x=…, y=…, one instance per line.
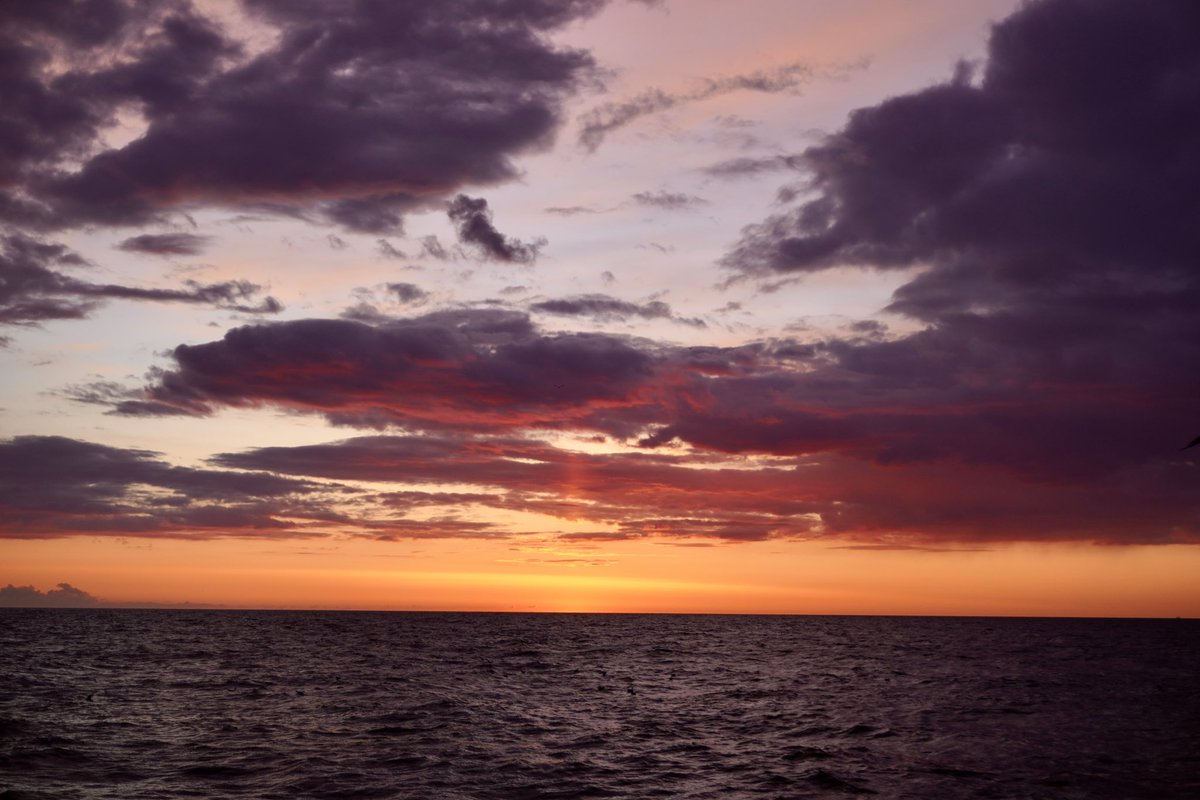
x=776, y=306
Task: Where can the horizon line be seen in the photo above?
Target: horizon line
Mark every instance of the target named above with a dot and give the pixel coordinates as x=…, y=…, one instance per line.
x=319, y=609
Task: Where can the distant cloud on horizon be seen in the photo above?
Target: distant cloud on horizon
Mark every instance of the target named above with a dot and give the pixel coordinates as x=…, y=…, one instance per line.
x=63, y=596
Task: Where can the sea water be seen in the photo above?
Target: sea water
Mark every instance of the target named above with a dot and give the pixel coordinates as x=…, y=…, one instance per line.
x=105, y=703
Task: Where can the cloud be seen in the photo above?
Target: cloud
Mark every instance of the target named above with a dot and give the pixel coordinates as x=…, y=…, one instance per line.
x=55, y=486
x=165, y=244
x=598, y=123
x=604, y=307
x=407, y=292
x=837, y=496
x=431, y=247
x=570, y=211
x=1041, y=216
x=668, y=201
x=352, y=118
x=63, y=596
x=67, y=596
x=473, y=220
x=639, y=494
x=389, y=250
x=33, y=290
x=914, y=439
x=485, y=369
x=1050, y=205
x=656, y=247
x=746, y=167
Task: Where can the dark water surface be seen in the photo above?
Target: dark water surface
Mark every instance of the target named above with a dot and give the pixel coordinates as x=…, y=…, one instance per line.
x=185, y=704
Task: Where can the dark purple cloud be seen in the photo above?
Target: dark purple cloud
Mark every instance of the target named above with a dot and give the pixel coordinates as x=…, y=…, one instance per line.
x=55, y=486
x=473, y=220
x=871, y=433
x=1051, y=205
x=165, y=244
x=33, y=290
x=605, y=308
x=1065, y=165
x=355, y=117
x=482, y=369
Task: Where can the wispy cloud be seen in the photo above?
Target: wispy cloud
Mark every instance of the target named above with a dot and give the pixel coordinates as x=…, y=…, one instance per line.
x=165, y=244
x=34, y=289
x=605, y=119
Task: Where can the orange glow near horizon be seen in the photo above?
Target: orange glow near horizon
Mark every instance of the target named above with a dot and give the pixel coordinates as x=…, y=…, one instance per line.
x=644, y=576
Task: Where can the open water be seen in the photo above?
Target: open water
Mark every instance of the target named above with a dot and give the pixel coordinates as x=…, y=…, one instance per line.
x=215, y=704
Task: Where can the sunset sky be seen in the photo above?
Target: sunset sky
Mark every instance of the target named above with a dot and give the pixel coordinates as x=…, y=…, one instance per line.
x=778, y=306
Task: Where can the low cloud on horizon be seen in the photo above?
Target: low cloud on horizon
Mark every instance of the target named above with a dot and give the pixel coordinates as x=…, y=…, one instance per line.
x=64, y=595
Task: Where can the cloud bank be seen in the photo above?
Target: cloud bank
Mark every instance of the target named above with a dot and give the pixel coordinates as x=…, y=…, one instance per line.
x=1042, y=213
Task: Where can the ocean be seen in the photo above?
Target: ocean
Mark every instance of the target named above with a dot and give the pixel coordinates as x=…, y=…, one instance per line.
x=107, y=703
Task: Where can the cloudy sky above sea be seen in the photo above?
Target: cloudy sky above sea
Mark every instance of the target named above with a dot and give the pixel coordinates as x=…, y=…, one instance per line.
x=780, y=306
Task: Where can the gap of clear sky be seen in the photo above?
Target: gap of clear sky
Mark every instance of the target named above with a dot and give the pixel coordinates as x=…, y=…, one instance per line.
x=765, y=307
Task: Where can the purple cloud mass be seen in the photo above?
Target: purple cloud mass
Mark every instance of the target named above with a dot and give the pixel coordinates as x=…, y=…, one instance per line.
x=354, y=117
x=1045, y=212
x=863, y=425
